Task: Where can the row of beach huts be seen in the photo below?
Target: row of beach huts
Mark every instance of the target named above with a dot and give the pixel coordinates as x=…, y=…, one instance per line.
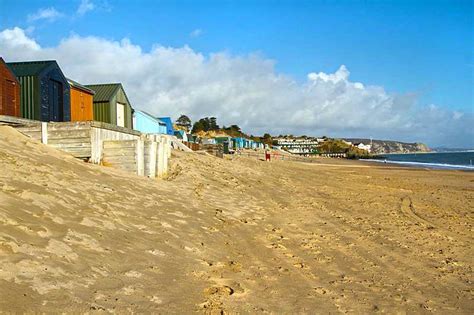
x=39, y=90
x=96, y=122
x=228, y=143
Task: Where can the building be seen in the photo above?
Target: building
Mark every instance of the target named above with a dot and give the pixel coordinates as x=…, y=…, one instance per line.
x=182, y=135
x=226, y=142
x=191, y=138
x=222, y=139
x=366, y=147
x=299, y=145
x=146, y=123
x=81, y=102
x=239, y=143
x=45, y=92
x=111, y=104
x=211, y=141
x=169, y=125
x=247, y=143
x=9, y=91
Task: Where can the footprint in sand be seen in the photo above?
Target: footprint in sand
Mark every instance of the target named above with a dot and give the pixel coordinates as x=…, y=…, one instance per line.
x=156, y=300
x=156, y=252
x=84, y=240
x=133, y=274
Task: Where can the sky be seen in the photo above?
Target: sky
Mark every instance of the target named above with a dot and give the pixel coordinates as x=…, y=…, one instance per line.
x=399, y=70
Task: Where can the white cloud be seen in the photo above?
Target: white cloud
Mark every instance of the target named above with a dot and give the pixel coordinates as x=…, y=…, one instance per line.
x=85, y=6
x=48, y=14
x=196, y=33
x=17, y=39
x=245, y=90
x=342, y=74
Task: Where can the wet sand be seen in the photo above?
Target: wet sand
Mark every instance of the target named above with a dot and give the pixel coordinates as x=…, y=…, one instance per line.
x=230, y=236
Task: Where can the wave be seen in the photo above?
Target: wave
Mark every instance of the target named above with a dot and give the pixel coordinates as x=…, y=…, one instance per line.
x=424, y=164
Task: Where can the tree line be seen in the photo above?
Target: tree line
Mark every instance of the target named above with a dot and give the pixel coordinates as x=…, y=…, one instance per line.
x=207, y=124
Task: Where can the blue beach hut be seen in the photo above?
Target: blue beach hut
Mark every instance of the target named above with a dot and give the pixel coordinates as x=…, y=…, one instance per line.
x=146, y=123
x=239, y=142
x=169, y=125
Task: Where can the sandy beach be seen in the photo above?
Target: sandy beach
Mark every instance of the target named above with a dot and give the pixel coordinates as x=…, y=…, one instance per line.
x=235, y=235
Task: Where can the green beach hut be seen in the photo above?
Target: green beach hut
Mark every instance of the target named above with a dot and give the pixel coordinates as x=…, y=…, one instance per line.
x=44, y=90
x=111, y=104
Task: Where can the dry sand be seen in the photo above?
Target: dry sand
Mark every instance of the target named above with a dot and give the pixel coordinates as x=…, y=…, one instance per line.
x=234, y=236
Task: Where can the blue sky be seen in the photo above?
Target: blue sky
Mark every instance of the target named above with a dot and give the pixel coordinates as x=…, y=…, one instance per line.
x=424, y=47
x=422, y=50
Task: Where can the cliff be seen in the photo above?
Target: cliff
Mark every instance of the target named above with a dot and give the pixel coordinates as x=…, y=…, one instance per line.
x=389, y=146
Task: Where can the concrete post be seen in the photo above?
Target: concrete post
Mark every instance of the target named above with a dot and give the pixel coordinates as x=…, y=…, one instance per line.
x=44, y=132
x=167, y=150
x=153, y=158
x=140, y=156
x=161, y=157
x=96, y=145
x=168, y=147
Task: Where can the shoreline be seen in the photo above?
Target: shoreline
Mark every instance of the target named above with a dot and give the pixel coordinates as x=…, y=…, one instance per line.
x=431, y=166
x=363, y=163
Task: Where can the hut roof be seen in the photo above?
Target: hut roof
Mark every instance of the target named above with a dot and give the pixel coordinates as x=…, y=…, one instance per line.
x=79, y=86
x=8, y=69
x=27, y=68
x=151, y=116
x=104, y=92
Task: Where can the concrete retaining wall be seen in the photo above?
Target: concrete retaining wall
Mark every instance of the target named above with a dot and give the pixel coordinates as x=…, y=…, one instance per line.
x=101, y=143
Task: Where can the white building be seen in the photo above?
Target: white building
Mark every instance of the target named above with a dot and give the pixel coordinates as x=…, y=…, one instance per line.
x=301, y=145
x=366, y=147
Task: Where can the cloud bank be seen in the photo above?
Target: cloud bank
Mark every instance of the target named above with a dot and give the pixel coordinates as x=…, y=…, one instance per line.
x=246, y=90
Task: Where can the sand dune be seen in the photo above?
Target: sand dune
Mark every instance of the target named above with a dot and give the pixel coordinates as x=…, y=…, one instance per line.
x=229, y=236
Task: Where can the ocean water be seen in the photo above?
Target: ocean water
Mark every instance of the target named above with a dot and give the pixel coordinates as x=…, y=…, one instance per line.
x=447, y=160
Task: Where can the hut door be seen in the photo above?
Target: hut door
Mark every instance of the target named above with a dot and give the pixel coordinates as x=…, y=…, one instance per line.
x=9, y=101
x=56, y=101
x=120, y=115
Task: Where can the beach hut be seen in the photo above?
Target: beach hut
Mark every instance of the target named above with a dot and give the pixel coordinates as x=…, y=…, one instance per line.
x=251, y=144
x=208, y=141
x=246, y=143
x=44, y=90
x=191, y=138
x=146, y=123
x=81, y=102
x=169, y=125
x=238, y=142
x=9, y=91
x=226, y=142
x=182, y=135
x=221, y=140
x=111, y=104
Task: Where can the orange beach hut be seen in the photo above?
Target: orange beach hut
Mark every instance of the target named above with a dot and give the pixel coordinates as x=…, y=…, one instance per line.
x=81, y=102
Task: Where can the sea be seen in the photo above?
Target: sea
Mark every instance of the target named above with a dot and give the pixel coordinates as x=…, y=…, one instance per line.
x=441, y=160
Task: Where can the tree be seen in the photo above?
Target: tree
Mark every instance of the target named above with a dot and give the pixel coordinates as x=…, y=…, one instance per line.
x=184, y=122
x=206, y=124
x=267, y=139
x=198, y=126
x=213, y=123
x=234, y=131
